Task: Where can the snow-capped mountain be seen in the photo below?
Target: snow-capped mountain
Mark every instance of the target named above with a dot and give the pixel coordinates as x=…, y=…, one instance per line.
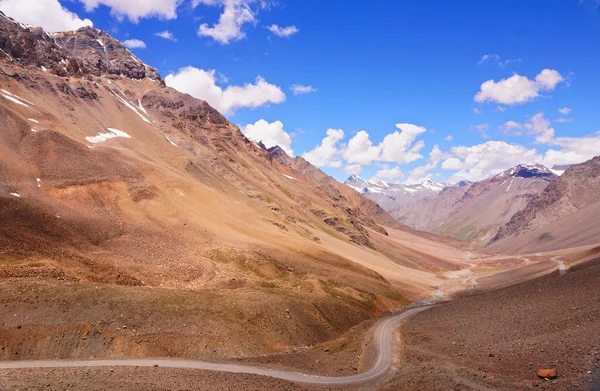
x=391, y=196
x=458, y=211
x=534, y=170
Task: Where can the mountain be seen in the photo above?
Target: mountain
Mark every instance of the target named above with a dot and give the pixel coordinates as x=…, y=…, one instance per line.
x=392, y=196
x=458, y=211
x=127, y=203
x=565, y=214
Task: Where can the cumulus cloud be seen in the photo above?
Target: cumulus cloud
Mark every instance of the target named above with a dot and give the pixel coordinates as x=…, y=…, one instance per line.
x=398, y=147
x=283, y=32
x=361, y=150
x=202, y=84
x=135, y=10
x=299, y=89
x=565, y=111
x=48, y=14
x=518, y=89
x=327, y=153
x=134, y=44
x=390, y=173
x=449, y=137
x=271, y=134
x=166, y=35
x=236, y=14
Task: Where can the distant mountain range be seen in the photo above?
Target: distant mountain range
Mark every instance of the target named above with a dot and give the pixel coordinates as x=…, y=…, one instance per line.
x=467, y=211
x=391, y=196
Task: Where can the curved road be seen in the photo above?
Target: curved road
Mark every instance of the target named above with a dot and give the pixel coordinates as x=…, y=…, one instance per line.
x=384, y=337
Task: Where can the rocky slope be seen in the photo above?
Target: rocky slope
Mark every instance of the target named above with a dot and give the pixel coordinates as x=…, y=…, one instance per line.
x=125, y=202
x=458, y=211
x=560, y=216
x=85, y=53
x=391, y=196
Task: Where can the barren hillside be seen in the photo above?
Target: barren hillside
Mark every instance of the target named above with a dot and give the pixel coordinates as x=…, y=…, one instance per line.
x=134, y=214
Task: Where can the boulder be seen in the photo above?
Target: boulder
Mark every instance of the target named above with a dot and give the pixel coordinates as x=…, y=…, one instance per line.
x=547, y=373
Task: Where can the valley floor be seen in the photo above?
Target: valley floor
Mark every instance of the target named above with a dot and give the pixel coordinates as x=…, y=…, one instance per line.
x=491, y=341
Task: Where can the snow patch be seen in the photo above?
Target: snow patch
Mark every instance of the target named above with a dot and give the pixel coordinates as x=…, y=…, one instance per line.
x=132, y=107
x=15, y=195
x=142, y=107
x=15, y=100
x=33, y=120
x=510, y=185
x=17, y=96
x=33, y=130
x=102, y=137
x=358, y=189
x=39, y=182
x=289, y=177
x=169, y=140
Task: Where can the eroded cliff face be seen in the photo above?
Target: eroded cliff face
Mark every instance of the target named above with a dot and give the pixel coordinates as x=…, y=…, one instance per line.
x=84, y=52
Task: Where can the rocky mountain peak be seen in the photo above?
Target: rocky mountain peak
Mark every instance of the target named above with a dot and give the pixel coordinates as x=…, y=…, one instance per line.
x=534, y=170
x=85, y=52
x=355, y=182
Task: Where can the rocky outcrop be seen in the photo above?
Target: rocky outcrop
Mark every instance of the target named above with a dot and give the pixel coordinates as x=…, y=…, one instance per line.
x=85, y=52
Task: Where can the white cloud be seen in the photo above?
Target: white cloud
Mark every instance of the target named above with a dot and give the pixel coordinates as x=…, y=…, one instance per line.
x=488, y=57
x=360, y=149
x=573, y=150
x=352, y=169
x=497, y=59
x=299, y=89
x=236, y=14
x=283, y=32
x=271, y=134
x=476, y=110
x=166, y=35
x=420, y=174
x=449, y=138
x=565, y=111
x=398, y=147
x=518, y=89
x=134, y=10
x=563, y=120
x=480, y=161
x=390, y=173
x=537, y=126
x=48, y=14
x=202, y=84
x=481, y=128
x=327, y=153
x=134, y=44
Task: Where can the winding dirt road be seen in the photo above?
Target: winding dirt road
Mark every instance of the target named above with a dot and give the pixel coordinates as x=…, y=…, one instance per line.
x=384, y=339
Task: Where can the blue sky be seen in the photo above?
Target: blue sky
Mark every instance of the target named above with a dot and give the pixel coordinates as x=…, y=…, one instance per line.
x=383, y=84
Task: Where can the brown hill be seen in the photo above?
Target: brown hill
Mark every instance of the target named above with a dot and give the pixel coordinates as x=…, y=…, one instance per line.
x=564, y=215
